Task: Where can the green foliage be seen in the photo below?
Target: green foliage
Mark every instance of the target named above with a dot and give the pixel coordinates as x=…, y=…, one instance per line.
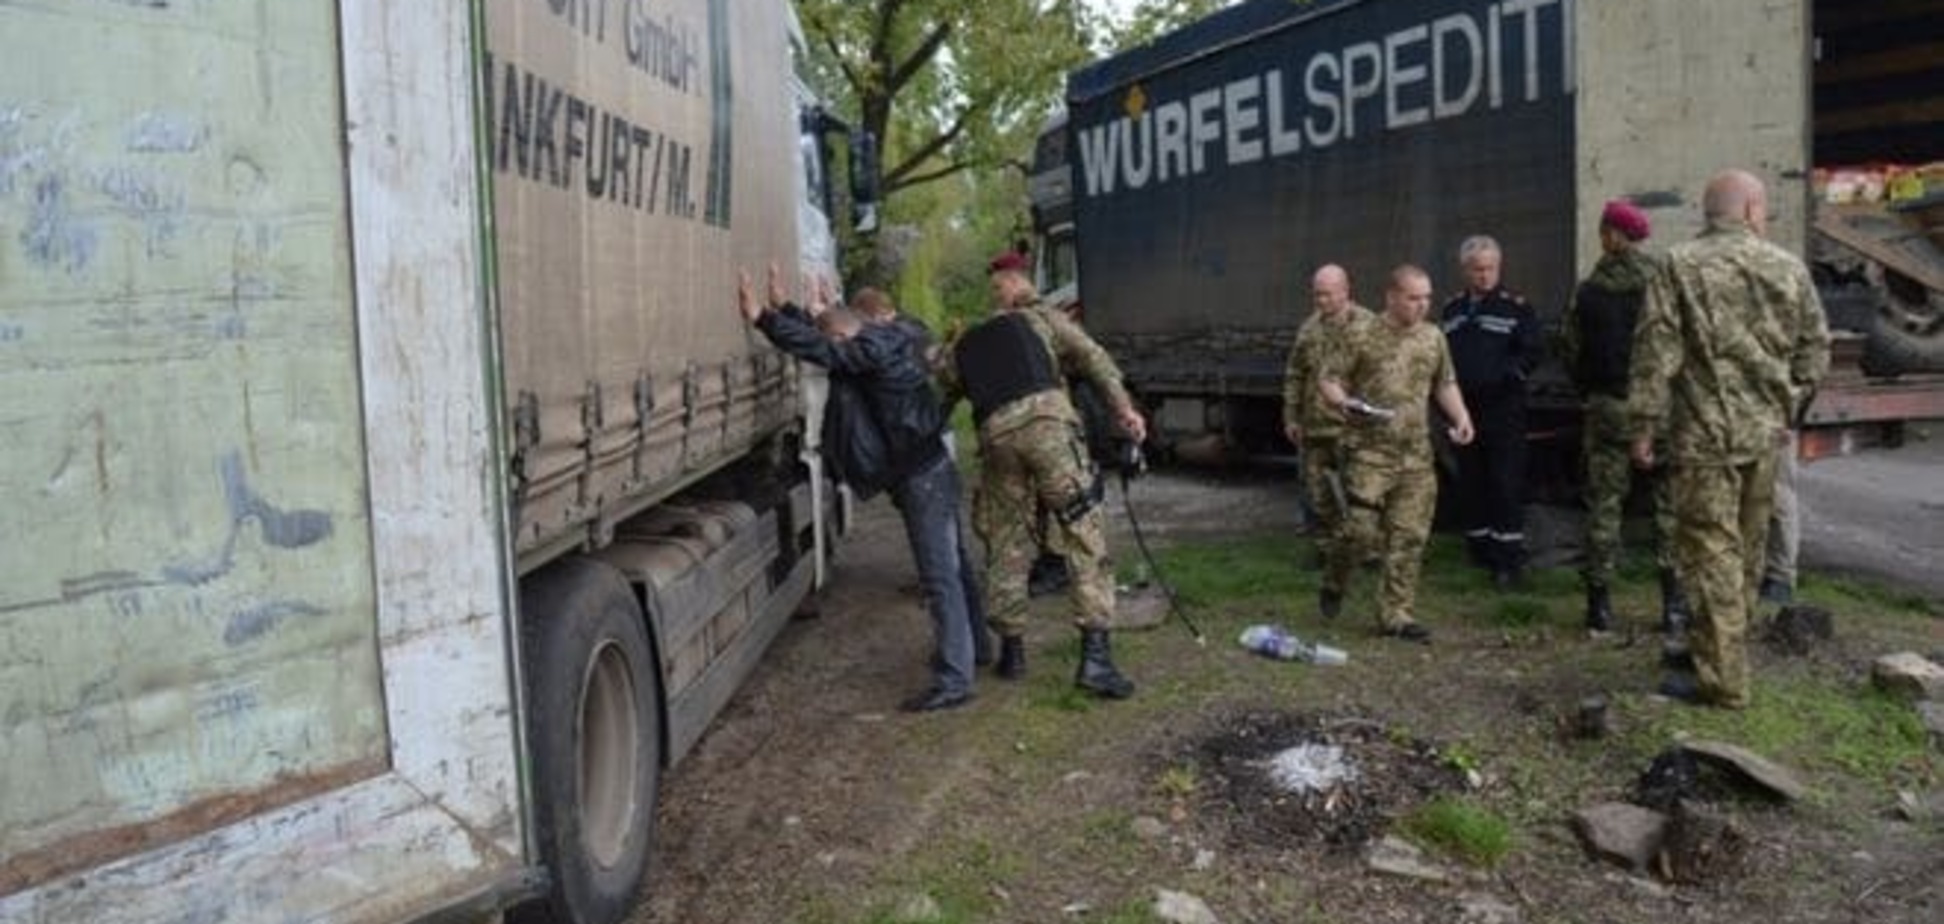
x=1462, y=829
x=956, y=93
x=945, y=85
x=1155, y=18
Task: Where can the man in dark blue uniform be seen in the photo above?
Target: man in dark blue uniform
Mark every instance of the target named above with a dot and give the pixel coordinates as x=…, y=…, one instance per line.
x=1495, y=343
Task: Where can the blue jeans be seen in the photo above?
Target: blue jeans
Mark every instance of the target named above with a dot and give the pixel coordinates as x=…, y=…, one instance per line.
x=929, y=502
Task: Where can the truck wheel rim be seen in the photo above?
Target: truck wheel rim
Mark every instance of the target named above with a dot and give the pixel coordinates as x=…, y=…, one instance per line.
x=608, y=747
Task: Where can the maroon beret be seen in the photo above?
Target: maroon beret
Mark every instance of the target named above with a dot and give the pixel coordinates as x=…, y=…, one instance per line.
x=1007, y=260
x=1626, y=218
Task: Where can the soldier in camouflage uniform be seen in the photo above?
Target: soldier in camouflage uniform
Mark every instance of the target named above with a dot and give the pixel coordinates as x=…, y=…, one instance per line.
x=1382, y=380
x=1010, y=368
x=1313, y=426
x=1596, y=342
x=1731, y=337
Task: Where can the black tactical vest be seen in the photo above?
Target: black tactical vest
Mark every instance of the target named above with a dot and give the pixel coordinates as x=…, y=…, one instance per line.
x=1606, y=329
x=1002, y=361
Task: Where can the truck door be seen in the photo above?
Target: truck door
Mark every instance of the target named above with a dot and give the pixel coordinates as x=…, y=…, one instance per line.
x=252, y=588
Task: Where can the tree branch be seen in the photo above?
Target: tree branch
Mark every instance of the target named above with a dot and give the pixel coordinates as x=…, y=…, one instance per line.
x=903, y=72
x=829, y=37
x=851, y=75
x=932, y=147
x=927, y=177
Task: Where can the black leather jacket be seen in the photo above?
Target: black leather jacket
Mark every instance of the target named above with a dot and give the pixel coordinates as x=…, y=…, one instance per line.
x=884, y=364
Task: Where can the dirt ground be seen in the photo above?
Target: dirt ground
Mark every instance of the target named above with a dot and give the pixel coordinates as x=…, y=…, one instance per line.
x=813, y=800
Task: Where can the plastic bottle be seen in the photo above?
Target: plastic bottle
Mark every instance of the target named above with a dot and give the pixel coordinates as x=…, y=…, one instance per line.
x=1273, y=641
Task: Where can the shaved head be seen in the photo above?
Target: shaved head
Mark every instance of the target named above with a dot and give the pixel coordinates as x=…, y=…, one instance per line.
x=1330, y=290
x=872, y=304
x=1737, y=195
x=1408, y=296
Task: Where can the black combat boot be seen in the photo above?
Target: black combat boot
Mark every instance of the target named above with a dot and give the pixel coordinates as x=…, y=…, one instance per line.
x=1012, y=657
x=1674, y=623
x=1097, y=673
x=1599, y=608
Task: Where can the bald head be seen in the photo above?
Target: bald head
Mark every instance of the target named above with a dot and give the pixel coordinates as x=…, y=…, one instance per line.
x=1737, y=195
x=1330, y=291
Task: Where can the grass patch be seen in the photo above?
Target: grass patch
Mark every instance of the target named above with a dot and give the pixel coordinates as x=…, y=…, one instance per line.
x=1178, y=782
x=1519, y=612
x=959, y=880
x=1867, y=593
x=1814, y=725
x=1062, y=698
x=1208, y=573
x=1131, y=911
x=1462, y=829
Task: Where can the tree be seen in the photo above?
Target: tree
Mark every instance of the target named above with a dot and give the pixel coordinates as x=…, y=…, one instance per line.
x=1153, y=18
x=946, y=85
x=957, y=91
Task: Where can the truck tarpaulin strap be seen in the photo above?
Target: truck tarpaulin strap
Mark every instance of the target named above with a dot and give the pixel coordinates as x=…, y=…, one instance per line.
x=1002, y=361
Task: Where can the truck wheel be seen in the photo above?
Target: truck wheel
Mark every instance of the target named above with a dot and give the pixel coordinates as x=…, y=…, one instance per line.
x=594, y=735
x=1908, y=335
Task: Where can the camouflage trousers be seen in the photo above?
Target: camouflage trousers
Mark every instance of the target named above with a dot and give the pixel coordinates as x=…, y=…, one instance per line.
x=1785, y=524
x=1721, y=529
x=1609, y=478
x=1323, y=483
x=1041, y=463
x=1389, y=504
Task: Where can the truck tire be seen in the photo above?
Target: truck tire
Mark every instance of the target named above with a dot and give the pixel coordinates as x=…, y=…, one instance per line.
x=594, y=737
x=1908, y=336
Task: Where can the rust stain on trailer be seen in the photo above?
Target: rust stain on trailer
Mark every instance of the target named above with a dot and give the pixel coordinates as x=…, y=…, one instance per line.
x=80, y=852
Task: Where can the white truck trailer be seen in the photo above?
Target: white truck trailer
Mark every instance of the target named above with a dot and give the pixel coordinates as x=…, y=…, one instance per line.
x=391, y=490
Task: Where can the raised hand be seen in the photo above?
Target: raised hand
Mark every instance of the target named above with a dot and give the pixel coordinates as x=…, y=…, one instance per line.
x=746, y=298
x=776, y=294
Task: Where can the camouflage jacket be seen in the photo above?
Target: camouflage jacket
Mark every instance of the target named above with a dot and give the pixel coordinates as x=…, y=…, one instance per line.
x=1397, y=369
x=1302, y=401
x=1731, y=339
x=1074, y=353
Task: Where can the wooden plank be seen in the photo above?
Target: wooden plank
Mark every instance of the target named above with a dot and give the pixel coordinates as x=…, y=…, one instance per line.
x=1890, y=255
x=1913, y=59
x=1887, y=115
x=376, y=853
x=1908, y=398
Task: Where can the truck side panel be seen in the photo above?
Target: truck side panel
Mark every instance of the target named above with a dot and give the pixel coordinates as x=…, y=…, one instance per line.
x=641, y=153
x=186, y=593
x=1209, y=186
x=438, y=819
x=1658, y=115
